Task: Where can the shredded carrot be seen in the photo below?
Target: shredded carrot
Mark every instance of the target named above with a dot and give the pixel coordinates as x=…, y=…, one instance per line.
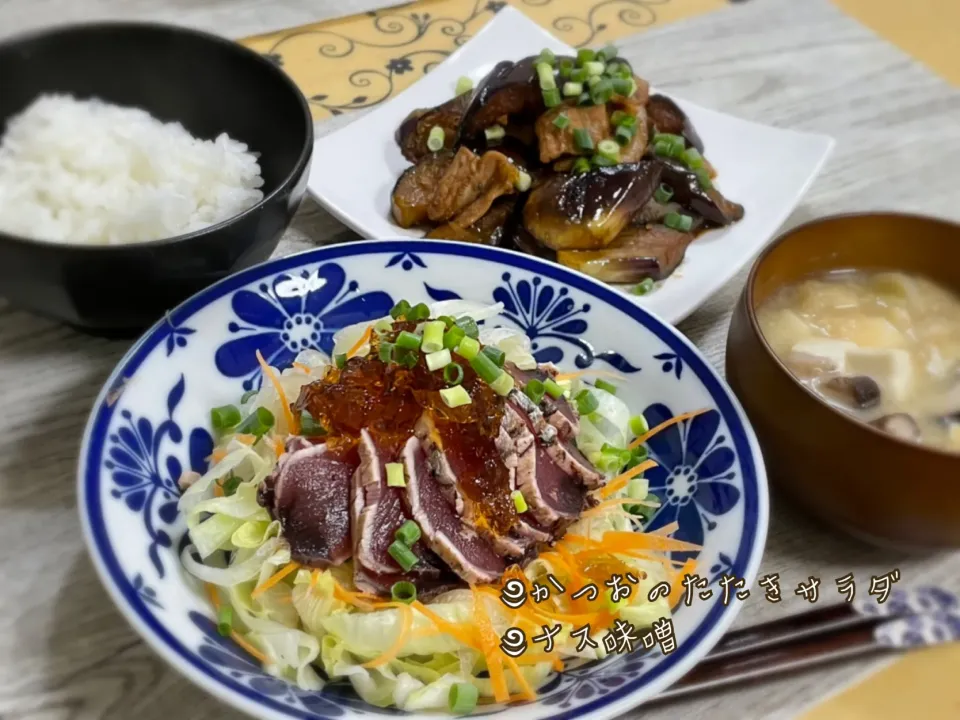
x=237, y=637
x=274, y=579
x=621, y=480
x=275, y=381
x=360, y=600
x=218, y=455
x=607, y=504
x=246, y=439
x=364, y=339
x=669, y=529
x=525, y=690
x=314, y=579
x=218, y=489
x=488, y=640
x=278, y=446
x=301, y=367
x=579, y=539
x=676, y=582
x=627, y=540
x=571, y=375
x=664, y=425
x=406, y=624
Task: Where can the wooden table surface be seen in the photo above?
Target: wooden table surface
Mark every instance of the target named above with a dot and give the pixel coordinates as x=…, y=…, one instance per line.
x=65, y=652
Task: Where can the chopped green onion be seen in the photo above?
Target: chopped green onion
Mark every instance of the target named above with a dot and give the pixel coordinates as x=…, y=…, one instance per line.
x=584, y=99
x=225, y=417
x=452, y=337
x=663, y=194
x=545, y=75
x=579, y=75
x=582, y=139
x=534, y=389
x=622, y=86
x=643, y=287
x=663, y=149
x=400, y=309
x=340, y=360
x=494, y=353
x=453, y=374
x=385, y=352
x=605, y=386
x=616, y=69
x=674, y=145
x=408, y=533
x=593, y=81
x=638, y=425
x=245, y=398
x=469, y=326
x=676, y=221
x=383, y=326
x=692, y=158
x=468, y=348
x=519, y=501
x=637, y=488
x=602, y=91
x=420, y=311
x=462, y=698
x=447, y=321
x=553, y=390
x=561, y=120
x=551, y=98
x=572, y=89
x=395, y=475
x=258, y=423
x=703, y=177
x=599, y=160
x=547, y=56
x=608, y=53
x=594, y=68
x=503, y=385
x=408, y=341
x=494, y=133
x=609, y=148
x=645, y=511
x=310, y=427
x=225, y=620
x=524, y=181
x=639, y=454
x=438, y=360
x=629, y=121
x=624, y=134
x=403, y=591
x=586, y=402
x=433, y=336
x=585, y=55
x=403, y=555
x=464, y=85
x=436, y=138
x=566, y=67
x=455, y=396
x=406, y=358
x=618, y=117
x=230, y=485
x=582, y=165
x=485, y=367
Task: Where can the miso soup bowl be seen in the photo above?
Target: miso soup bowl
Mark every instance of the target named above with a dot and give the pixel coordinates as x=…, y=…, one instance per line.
x=865, y=481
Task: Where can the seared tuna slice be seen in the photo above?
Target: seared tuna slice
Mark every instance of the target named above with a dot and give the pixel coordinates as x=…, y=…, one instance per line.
x=309, y=493
x=458, y=544
x=563, y=451
x=378, y=511
x=427, y=587
x=553, y=496
x=556, y=411
x=441, y=465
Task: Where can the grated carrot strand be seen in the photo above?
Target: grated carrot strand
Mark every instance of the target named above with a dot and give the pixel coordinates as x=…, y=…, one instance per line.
x=406, y=624
x=275, y=381
x=364, y=339
x=621, y=480
x=664, y=425
x=274, y=579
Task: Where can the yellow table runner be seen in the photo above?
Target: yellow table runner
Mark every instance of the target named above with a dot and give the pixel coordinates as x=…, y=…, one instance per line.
x=359, y=61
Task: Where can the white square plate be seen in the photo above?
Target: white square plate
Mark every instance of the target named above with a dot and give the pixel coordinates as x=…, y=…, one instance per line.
x=765, y=169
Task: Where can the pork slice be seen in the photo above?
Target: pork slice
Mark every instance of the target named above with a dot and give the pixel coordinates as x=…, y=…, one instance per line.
x=458, y=545
x=556, y=142
x=378, y=512
x=309, y=494
x=470, y=184
x=554, y=497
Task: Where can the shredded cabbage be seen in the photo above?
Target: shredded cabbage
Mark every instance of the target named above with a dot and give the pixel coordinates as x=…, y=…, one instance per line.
x=300, y=624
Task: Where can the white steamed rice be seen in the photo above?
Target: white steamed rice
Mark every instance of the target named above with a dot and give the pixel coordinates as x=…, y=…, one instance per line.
x=88, y=172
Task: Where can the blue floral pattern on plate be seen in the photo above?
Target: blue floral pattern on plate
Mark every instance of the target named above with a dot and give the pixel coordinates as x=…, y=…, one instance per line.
x=293, y=312
x=145, y=474
x=693, y=474
x=139, y=440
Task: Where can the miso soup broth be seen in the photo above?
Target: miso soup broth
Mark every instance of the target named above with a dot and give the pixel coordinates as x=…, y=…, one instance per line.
x=884, y=346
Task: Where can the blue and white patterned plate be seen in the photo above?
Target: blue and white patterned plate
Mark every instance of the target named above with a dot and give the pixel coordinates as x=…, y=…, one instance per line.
x=150, y=422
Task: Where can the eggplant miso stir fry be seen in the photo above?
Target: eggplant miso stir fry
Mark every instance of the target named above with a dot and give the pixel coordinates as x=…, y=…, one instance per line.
x=568, y=158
